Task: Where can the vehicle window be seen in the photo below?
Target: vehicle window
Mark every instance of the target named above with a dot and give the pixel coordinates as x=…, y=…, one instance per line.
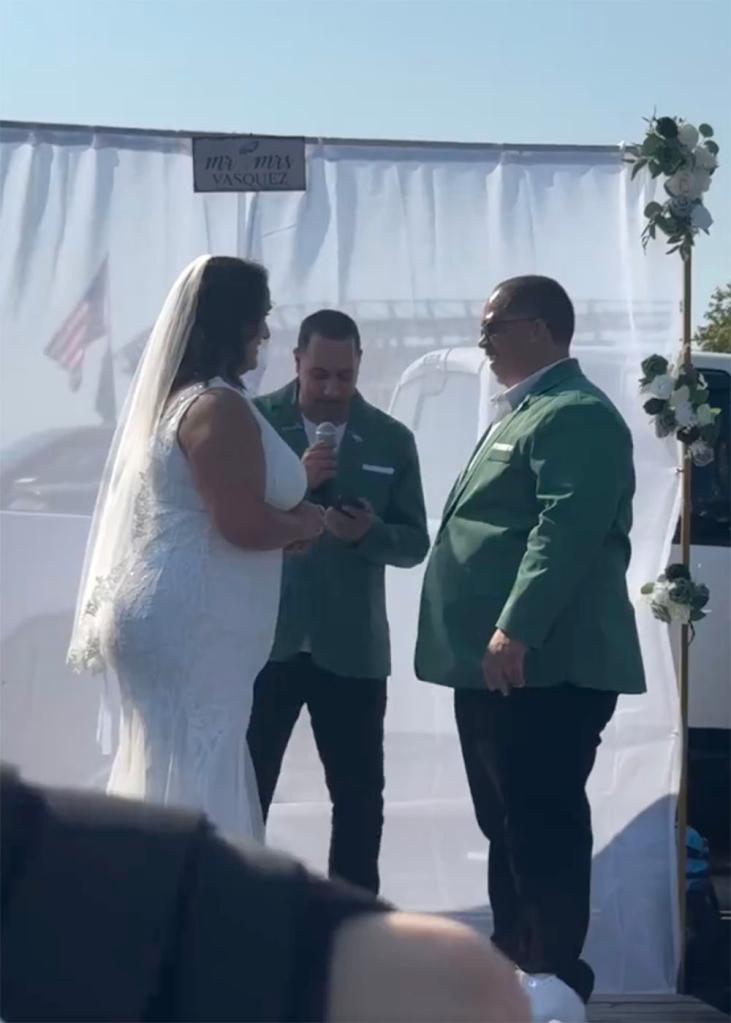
x=406, y=402
x=710, y=524
x=77, y=459
x=446, y=427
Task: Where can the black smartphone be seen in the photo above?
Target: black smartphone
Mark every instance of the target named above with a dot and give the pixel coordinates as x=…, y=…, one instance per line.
x=341, y=503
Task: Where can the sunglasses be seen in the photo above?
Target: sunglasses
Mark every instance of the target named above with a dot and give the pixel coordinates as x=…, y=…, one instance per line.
x=491, y=331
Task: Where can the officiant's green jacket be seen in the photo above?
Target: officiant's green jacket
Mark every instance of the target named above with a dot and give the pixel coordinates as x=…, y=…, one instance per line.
x=333, y=598
x=535, y=541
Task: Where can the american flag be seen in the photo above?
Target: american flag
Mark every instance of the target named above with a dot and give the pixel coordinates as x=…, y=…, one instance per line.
x=86, y=323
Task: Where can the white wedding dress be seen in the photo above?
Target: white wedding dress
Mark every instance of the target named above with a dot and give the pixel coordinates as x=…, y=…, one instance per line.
x=187, y=623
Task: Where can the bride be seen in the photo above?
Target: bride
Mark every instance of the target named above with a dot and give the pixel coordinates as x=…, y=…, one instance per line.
x=180, y=589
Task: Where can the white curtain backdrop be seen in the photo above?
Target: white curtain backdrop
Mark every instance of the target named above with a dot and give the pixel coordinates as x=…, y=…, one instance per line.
x=410, y=239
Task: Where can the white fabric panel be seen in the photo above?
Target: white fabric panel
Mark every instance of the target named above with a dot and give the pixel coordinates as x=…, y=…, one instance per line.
x=410, y=239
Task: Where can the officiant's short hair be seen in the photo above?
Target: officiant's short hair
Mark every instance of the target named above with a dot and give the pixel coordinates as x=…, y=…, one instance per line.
x=329, y=323
x=544, y=298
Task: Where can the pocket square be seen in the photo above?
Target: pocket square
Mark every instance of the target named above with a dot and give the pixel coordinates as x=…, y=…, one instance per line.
x=385, y=470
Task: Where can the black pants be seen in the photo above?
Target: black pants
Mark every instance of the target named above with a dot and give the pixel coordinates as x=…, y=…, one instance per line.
x=347, y=722
x=528, y=757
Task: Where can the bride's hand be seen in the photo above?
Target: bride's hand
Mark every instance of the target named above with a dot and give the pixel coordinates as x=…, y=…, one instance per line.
x=311, y=521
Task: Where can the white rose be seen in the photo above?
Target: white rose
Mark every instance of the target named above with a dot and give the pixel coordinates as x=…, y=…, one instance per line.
x=700, y=218
x=704, y=159
x=661, y=386
x=679, y=612
x=647, y=598
x=680, y=396
x=685, y=416
x=702, y=179
x=681, y=183
x=689, y=183
x=688, y=135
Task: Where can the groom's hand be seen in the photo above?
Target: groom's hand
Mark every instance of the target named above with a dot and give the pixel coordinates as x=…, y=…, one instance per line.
x=503, y=664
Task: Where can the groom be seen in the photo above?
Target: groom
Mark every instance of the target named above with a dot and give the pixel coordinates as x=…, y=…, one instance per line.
x=525, y=613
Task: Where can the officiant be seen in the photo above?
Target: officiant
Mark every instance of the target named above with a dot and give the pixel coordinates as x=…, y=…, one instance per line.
x=332, y=653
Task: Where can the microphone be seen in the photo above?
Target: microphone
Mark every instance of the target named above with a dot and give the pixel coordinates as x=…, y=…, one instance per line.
x=325, y=433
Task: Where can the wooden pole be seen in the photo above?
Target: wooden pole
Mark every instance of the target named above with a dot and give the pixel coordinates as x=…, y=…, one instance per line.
x=685, y=514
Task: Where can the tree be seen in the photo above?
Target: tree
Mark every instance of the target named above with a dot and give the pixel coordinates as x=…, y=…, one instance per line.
x=715, y=335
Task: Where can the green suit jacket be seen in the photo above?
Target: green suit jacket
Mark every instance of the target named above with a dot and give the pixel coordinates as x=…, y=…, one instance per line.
x=334, y=597
x=535, y=541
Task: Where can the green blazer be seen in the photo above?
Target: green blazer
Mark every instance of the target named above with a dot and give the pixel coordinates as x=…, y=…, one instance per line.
x=334, y=597
x=535, y=541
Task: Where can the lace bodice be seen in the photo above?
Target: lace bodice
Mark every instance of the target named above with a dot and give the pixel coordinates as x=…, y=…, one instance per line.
x=170, y=516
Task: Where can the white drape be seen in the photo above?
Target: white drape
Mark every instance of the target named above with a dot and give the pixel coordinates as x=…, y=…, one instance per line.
x=410, y=239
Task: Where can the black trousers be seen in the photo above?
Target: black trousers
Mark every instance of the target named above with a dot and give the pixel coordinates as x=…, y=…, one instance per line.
x=528, y=757
x=347, y=722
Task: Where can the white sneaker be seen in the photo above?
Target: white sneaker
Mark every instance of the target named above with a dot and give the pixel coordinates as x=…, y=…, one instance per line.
x=551, y=1000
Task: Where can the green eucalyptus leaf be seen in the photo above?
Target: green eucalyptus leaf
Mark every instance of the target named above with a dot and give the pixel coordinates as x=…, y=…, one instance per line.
x=652, y=145
x=705, y=130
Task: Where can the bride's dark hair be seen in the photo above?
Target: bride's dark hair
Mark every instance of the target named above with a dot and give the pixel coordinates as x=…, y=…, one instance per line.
x=232, y=301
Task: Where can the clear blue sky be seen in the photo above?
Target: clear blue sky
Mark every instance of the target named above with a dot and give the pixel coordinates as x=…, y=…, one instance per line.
x=564, y=71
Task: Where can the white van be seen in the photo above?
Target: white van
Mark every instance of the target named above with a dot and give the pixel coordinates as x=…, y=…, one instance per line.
x=444, y=398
